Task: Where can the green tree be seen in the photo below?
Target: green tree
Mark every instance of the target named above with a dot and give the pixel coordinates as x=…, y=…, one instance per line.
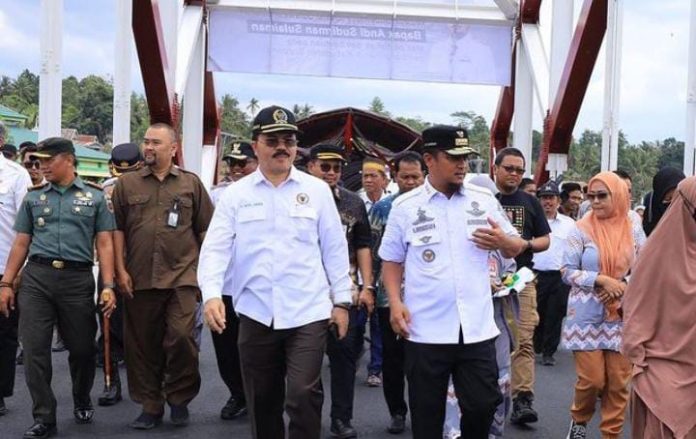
x=377, y=106
x=479, y=132
x=96, y=102
x=233, y=120
x=253, y=106
x=302, y=111
x=671, y=153
x=415, y=123
x=140, y=117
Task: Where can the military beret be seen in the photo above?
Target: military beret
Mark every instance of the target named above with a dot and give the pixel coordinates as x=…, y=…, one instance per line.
x=453, y=140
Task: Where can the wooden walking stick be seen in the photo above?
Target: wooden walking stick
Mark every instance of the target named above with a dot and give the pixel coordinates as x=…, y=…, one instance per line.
x=107, y=341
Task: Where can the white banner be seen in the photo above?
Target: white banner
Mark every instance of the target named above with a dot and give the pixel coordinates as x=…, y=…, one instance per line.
x=318, y=44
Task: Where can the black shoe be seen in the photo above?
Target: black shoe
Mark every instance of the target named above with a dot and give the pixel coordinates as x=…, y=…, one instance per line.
x=40, y=430
x=3, y=408
x=146, y=421
x=59, y=345
x=179, y=415
x=398, y=424
x=84, y=414
x=342, y=429
x=522, y=411
x=577, y=430
x=234, y=408
x=20, y=358
x=548, y=360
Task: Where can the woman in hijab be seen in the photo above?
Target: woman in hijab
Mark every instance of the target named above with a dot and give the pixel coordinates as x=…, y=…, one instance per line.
x=599, y=254
x=657, y=202
x=660, y=330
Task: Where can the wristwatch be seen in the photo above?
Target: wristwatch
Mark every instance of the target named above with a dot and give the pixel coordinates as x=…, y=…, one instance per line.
x=343, y=305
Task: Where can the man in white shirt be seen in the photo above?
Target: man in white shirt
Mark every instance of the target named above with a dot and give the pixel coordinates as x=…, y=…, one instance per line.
x=439, y=237
x=552, y=293
x=277, y=244
x=14, y=183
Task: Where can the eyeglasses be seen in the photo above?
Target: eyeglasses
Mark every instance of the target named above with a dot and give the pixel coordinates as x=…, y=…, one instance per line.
x=599, y=196
x=514, y=170
x=274, y=142
x=32, y=164
x=688, y=205
x=326, y=167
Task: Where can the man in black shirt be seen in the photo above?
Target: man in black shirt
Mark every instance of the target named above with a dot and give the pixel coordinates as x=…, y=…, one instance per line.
x=526, y=214
x=326, y=163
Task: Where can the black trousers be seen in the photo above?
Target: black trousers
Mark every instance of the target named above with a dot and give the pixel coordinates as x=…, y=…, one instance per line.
x=343, y=359
x=552, y=301
x=46, y=296
x=393, y=376
x=474, y=373
x=282, y=369
x=115, y=327
x=227, y=352
x=8, y=352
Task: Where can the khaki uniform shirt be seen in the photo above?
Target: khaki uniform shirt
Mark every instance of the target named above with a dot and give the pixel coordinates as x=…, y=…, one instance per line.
x=159, y=256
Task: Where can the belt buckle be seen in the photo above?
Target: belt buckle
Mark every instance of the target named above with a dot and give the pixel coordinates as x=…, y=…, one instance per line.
x=58, y=264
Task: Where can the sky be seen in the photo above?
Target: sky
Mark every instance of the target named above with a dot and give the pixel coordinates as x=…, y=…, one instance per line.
x=653, y=81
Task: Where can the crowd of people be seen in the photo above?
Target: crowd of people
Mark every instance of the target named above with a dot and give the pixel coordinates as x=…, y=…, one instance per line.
x=463, y=285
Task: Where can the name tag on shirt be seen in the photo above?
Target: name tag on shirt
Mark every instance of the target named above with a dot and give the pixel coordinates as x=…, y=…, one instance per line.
x=251, y=212
x=472, y=224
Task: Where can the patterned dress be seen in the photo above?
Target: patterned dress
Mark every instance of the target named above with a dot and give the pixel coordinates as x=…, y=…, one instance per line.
x=585, y=327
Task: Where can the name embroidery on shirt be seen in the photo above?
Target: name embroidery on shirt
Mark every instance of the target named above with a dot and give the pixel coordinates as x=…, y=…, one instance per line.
x=423, y=228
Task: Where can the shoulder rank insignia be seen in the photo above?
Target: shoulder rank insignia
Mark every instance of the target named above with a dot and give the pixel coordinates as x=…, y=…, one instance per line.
x=94, y=185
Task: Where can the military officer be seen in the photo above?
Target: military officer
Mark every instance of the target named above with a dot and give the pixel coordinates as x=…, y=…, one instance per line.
x=439, y=236
x=57, y=227
x=125, y=158
x=240, y=161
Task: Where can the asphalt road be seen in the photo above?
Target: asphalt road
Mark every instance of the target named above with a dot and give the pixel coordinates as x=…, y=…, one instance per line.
x=553, y=395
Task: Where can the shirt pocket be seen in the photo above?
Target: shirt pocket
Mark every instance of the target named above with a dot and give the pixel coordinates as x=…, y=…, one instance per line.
x=427, y=250
x=136, y=207
x=186, y=210
x=42, y=214
x=86, y=211
x=304, y=223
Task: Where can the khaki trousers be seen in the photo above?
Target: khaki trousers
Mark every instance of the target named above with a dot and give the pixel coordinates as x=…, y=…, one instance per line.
x=523, y=357
x=161, y=352
x=605, y=373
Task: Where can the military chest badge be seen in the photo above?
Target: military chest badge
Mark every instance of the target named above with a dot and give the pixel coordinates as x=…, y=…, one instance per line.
x=89, y=195
x=302, y=198
x=428, y=255
x=40, y=222
x=475, y=209
x=47, y=209
x=42, y=197
x=422, y=217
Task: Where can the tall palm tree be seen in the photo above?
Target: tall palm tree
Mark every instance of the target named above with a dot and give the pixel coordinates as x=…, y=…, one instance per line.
x=253, y=106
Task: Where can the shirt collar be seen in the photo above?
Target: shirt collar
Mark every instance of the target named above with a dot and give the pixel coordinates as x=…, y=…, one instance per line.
x=77, y=182
x=430, y=191
x=146, y=171
x=258, y=177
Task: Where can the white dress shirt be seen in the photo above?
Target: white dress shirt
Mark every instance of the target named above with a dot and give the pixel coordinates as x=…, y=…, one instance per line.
x=447, y=283
x=14, y=183
x=552, y=258
x=369, y=203
x=280, y=252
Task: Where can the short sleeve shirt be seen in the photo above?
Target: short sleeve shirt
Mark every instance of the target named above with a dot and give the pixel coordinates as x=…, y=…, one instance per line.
x=447, y=281
x=158, y=255
x=527, y=216
x=63, y=222
x=355, y=224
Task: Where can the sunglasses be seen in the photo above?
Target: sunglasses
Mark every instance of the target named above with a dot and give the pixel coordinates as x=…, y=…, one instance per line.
x=240, y=163
x=274, y=142
x=599, y=196
x=514, y=170
x=32, y=164
x=326, y=167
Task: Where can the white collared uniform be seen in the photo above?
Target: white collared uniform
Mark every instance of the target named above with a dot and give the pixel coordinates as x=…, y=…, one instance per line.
x=447, y=283
x=552, y=259
x=14, y=183
x=369, y=203
x=280, y=252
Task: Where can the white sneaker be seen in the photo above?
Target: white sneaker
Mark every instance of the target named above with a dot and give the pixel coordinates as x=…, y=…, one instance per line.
x=577, y=431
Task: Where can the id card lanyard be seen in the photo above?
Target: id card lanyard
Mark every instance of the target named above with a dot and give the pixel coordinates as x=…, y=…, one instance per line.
x=173, y=214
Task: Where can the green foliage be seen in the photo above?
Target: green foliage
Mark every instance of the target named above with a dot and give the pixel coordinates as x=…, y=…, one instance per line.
x=377, y=106
x=234, y=120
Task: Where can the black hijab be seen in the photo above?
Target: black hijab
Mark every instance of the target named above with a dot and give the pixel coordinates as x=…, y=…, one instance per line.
x=665, y=180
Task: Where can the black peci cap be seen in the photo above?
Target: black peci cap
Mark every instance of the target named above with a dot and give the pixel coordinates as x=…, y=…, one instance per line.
x=453, y=140
x=53, y=146
x=274, y=119
x=240, y=151
x=326, y=151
